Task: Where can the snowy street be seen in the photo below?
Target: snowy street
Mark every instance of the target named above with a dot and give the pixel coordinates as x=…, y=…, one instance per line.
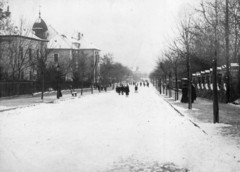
x=110, y=132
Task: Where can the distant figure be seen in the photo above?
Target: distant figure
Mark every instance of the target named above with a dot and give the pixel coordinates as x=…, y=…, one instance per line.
x=122, y=89
x=127, y=90
x=118, y=90
x=184, y=95
x=140, y=83
x=148, y=84
x=144, y=84
x=136, y=88
x=59, y=93
x=99, y=88
x=194, y=95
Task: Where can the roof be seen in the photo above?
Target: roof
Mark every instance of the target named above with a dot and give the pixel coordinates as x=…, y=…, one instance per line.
x=60, y=42
x=234, y=65
x=25, y=33
x=40, y=25
x=84, y=44
x=51, y=32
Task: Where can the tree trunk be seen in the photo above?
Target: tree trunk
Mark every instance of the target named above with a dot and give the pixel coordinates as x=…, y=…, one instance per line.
x=227, y=54
x=215, y=91
x=42, y=85
x=176, y=85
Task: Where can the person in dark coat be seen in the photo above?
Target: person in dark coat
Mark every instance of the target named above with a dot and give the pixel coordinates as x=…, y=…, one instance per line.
x=118, y=90
x=127, y=90
x=136, y=88
x=122, y=89
x=99, y=88
x=194, y=95
x=184, y=95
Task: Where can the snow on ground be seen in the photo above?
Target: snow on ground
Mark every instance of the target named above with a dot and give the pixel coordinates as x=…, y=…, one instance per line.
x=95, y=132
x=3, y=107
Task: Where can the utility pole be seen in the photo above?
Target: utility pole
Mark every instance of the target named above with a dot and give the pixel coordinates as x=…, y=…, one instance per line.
x=227, y=53
x=215, y=91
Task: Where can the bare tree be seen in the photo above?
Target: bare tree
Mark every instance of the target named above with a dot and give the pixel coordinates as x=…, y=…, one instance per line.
x=18, y=52
x=213, y=20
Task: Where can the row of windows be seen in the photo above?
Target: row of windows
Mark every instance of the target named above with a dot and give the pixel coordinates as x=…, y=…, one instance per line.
x=30, y=54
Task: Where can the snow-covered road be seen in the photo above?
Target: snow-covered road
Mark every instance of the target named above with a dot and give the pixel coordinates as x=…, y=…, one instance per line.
x=100, y=131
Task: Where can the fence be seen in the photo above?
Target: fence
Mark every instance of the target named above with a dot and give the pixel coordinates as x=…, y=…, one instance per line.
x=15, y=88
x=29, y=87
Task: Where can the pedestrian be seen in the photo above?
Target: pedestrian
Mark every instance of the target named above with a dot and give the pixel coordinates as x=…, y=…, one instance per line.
x=127, y=90
x=98, y=87
x=118, y=89
x=184, y=98
x=194, y=95
x=136, y=88
x=122, y=89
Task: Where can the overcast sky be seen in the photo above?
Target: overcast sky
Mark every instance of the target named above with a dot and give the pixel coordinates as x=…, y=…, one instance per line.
x=135, y=31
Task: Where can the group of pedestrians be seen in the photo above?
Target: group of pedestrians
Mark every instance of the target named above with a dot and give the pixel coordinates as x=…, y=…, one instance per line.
x=123, y=89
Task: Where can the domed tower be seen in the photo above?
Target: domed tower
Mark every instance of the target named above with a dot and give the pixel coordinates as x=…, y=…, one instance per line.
x=40, y=28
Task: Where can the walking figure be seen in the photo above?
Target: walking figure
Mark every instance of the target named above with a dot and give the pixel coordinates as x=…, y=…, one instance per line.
x=136, y=88
x=118, y=90
x=122, y=89
x=127, y=90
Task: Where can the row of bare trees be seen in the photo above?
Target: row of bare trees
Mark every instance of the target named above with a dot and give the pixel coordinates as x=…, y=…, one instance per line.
x=113, y=72
x=208, y=36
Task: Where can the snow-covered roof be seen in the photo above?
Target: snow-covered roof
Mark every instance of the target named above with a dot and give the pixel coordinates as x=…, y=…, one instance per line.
x=60, y=42
x=21, y=33
x=207, y=71
x=87, y=45
x=234, y=65
x=56, y=40
x=51, y=32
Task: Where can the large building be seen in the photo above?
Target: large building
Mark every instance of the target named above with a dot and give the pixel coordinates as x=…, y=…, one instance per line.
x=20, y=50
x=76, y=57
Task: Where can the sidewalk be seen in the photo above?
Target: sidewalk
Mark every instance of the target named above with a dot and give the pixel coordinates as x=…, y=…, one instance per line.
x=49, y=97
x=202, y=113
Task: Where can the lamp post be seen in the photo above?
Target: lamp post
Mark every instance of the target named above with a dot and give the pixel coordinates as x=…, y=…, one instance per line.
x=58, y=90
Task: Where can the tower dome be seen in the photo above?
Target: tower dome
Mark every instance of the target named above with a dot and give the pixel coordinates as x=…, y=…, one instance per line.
x=40, y=28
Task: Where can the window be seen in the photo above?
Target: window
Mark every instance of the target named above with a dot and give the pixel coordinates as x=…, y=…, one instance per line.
x=55, y=58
